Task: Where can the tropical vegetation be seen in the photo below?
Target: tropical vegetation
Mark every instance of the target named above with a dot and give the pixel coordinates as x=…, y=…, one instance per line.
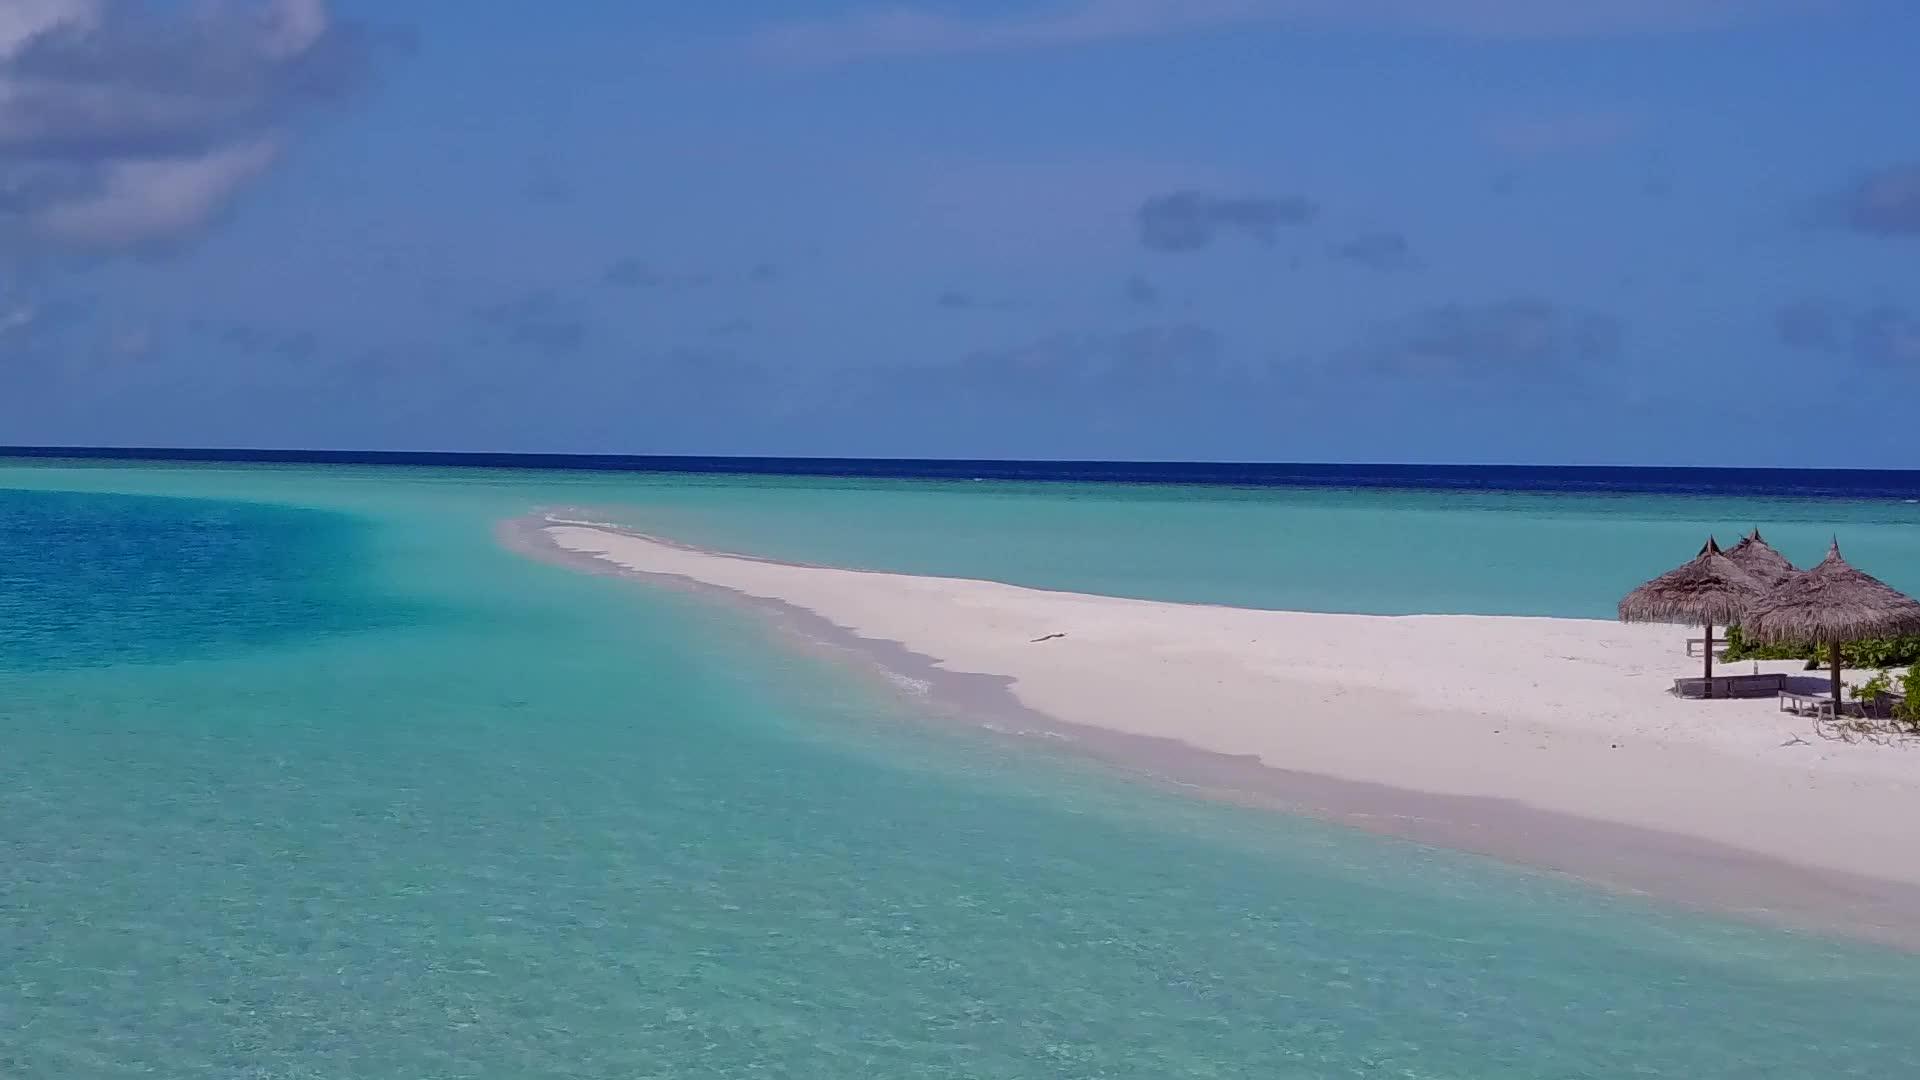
x=1874, y=653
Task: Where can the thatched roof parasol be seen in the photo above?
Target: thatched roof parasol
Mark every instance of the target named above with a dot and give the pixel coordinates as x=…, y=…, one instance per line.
x=1759, y=559
x=1711, y=589
x=1833, y=604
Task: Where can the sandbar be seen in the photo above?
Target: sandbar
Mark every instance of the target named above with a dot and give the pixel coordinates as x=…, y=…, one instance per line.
x=1545, y=742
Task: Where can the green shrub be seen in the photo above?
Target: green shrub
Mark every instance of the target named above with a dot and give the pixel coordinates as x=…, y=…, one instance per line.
x=1871, y=653
x=1907, y=713
x=1882, y=652
x=1873, y=689
x=1739, y=648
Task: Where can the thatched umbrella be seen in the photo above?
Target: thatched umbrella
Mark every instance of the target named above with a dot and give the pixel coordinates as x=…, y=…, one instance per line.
x=1833, y=604
x=1759, y=559
x=1709, y=590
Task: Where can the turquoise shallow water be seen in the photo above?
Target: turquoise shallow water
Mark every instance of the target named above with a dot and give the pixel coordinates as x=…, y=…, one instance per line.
x=1369, y=551
x=346, y=790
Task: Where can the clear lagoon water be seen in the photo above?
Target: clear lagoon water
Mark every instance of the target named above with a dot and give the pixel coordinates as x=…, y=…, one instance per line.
x=303, y=775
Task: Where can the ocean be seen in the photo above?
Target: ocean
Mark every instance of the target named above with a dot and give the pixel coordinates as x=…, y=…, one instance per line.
x=303, y=774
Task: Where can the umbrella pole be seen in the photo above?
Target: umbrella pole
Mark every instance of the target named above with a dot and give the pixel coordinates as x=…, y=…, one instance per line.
x=1708, y=649
x=1836, y=677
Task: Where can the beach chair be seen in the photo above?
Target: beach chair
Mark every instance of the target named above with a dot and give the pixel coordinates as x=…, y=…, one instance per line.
x=1800, y=703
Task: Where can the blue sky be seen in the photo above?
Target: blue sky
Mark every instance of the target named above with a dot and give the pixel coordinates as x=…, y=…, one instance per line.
x=1676, y=232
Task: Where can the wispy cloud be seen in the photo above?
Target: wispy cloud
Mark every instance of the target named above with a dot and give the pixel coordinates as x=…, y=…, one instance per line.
x=1888, y=335
x=1377, y=251
x=1148, y=354
x=878, y=33
x=1160, y=389
x=141, y=201
x=16, y=318
x=1521, y=336
x=632, y=273
x=1885, y=202
x=1808, y=324
x=1140, y=292
x=538, y=321
x=1190, y=220
x=962, y=300
x=1060, y=374
x=1881, y=334
x=254, y=339
x=46, y=329
x=903, y=31
x=1572, y=132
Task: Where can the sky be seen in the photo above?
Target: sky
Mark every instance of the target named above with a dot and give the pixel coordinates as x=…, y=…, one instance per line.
x=1531, y=231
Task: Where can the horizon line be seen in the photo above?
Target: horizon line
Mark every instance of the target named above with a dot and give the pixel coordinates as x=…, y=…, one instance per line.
x=243, y=454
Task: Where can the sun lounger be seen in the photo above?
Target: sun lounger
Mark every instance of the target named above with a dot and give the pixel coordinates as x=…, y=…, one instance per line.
x=1804, y=704
x=1821, y=706
x=1731, y=686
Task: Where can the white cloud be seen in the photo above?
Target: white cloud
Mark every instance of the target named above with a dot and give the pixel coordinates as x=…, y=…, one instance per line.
x=141, y=202
x=16, y=317
x=294, y=26
x=127, y=124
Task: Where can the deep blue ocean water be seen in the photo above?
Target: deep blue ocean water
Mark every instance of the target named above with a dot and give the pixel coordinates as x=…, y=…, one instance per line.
x=1568, y=479
x=91, y=582
x=303, y=775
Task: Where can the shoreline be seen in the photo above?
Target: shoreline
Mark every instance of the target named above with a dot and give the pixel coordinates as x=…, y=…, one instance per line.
x=1815, y=877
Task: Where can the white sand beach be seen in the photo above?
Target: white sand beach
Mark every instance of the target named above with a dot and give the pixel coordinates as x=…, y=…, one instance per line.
x=1504, y=735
